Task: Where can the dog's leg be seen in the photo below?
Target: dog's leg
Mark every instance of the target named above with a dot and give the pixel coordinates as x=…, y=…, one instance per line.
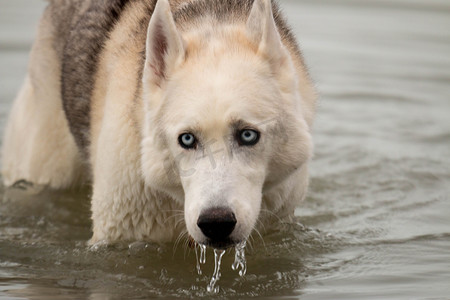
x=37, y=145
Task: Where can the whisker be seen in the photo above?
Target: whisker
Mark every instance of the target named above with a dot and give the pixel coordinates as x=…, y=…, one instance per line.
x=173, y=216
x=261, y=224
x=173, y=210
x=178, y=240
x=262, y=240
x=180, y=222
x=186, y=247
x=250, y=241
x=273, y=215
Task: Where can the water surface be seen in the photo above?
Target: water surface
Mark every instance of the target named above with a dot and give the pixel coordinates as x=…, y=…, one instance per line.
x=376, y=223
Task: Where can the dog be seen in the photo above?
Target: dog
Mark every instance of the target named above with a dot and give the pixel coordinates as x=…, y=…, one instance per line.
x=186, y=116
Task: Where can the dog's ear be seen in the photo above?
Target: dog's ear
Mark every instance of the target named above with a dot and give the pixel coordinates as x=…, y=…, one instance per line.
x=164, y=46
x=262, y=30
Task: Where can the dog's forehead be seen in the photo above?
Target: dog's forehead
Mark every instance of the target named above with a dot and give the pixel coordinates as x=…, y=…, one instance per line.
x=226, y=89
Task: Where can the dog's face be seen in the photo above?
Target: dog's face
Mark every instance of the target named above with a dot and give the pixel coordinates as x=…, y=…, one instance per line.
x=222, y=123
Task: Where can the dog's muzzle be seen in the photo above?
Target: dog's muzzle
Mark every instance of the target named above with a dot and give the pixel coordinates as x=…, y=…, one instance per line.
x=217, y=224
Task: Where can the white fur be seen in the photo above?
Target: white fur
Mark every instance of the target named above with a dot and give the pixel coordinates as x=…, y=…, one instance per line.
x=37, y=145
x=204, y=96
x=212, y=78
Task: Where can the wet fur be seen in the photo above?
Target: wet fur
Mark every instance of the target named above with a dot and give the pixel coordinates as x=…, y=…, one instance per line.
x=88, y=119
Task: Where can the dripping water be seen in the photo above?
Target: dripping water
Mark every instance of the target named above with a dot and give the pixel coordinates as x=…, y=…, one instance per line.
x=239, y=263
x=212, y=288
x=239, y=259
x=201, y=259
x=202, y=254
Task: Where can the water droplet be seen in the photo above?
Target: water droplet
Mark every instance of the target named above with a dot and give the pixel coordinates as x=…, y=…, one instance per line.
x=202, y=254
x=212, y=288
x=197, y=258
x=239, y=259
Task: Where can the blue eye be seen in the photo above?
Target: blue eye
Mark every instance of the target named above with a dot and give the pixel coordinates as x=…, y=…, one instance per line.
x=248, y=137
x=187, y=141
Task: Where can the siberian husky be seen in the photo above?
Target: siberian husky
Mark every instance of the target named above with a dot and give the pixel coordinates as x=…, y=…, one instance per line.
x=186, y=116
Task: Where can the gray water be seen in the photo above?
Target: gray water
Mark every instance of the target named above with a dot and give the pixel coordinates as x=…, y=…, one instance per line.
x=376, y=223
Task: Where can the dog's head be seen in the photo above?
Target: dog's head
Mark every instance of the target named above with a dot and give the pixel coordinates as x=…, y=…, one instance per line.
x=223, y=123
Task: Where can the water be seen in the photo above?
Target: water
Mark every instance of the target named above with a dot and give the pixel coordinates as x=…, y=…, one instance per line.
x=239, y=259
x=212, y=288
x=239, y=263
x=375, y=224
x=200, y=258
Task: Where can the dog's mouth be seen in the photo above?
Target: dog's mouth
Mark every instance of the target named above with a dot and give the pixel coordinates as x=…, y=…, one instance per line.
x=222, y=244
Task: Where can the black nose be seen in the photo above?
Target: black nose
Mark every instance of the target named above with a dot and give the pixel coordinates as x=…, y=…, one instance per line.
x=217, y=223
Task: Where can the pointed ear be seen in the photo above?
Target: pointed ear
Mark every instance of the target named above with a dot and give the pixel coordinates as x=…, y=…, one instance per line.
x=164, y=47
x=262, y=30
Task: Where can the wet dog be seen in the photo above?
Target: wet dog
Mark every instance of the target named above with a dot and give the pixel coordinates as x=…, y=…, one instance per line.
x=185, y=116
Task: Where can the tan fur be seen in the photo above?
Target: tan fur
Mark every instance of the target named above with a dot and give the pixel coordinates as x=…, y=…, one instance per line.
x=227, y=73
x=114, y=98
x=37, y=144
